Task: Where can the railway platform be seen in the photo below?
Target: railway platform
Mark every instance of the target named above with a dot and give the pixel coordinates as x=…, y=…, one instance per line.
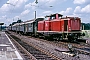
x=7, y=49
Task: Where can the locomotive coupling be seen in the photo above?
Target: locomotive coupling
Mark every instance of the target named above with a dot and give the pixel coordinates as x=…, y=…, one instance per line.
x=70, y=36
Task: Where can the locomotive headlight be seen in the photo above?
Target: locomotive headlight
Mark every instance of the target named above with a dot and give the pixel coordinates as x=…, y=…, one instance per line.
x=69, y=28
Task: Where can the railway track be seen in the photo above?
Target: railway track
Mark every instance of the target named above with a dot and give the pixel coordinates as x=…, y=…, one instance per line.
x=81, y=48
x=33, y=52
x=26, y=55
x=78, y=48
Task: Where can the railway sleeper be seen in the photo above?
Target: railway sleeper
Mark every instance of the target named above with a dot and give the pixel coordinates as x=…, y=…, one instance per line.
x=25, y=45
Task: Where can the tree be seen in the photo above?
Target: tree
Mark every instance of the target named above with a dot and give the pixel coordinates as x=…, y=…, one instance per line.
x=86, y=26
x=14, y=23
x=19, y=21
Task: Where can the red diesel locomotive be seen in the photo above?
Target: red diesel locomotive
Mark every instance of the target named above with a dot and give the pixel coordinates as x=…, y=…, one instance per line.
x=59, y=27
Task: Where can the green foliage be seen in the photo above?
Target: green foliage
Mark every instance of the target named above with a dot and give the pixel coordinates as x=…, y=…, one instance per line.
x=18, y=21
x=86, y=26
x=3, y=27
x=14, y=23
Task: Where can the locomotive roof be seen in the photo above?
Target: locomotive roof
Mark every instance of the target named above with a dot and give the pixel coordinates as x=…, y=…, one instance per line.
x=54, y=15
x=70, y=17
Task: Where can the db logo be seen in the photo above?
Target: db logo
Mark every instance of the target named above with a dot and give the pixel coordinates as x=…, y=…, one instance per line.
x=46, y=24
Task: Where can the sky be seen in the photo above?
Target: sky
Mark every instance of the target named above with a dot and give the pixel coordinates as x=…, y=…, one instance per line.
x=12, y=10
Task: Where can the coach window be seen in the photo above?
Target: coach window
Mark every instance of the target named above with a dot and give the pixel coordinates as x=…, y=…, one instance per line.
x=30, y=24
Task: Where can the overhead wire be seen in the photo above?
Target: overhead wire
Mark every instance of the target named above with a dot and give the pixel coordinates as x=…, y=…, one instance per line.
x=12, y=8
x=40, y=6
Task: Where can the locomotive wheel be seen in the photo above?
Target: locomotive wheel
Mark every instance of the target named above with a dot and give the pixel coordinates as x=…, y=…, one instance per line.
x=69, y=39
x=59, y=39
x=45, y=37
x=49, y=38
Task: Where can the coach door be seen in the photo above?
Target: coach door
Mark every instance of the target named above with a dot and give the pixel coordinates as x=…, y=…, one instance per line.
x=34, y=28
x=65, y=25
x=26, y=29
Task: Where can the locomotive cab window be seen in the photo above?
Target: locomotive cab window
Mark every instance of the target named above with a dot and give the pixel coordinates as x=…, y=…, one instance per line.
x=59, y=17
x=46, y=18
x=52, y=17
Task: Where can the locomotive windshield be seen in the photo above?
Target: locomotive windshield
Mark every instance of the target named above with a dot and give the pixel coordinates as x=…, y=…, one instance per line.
x=52, y=17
